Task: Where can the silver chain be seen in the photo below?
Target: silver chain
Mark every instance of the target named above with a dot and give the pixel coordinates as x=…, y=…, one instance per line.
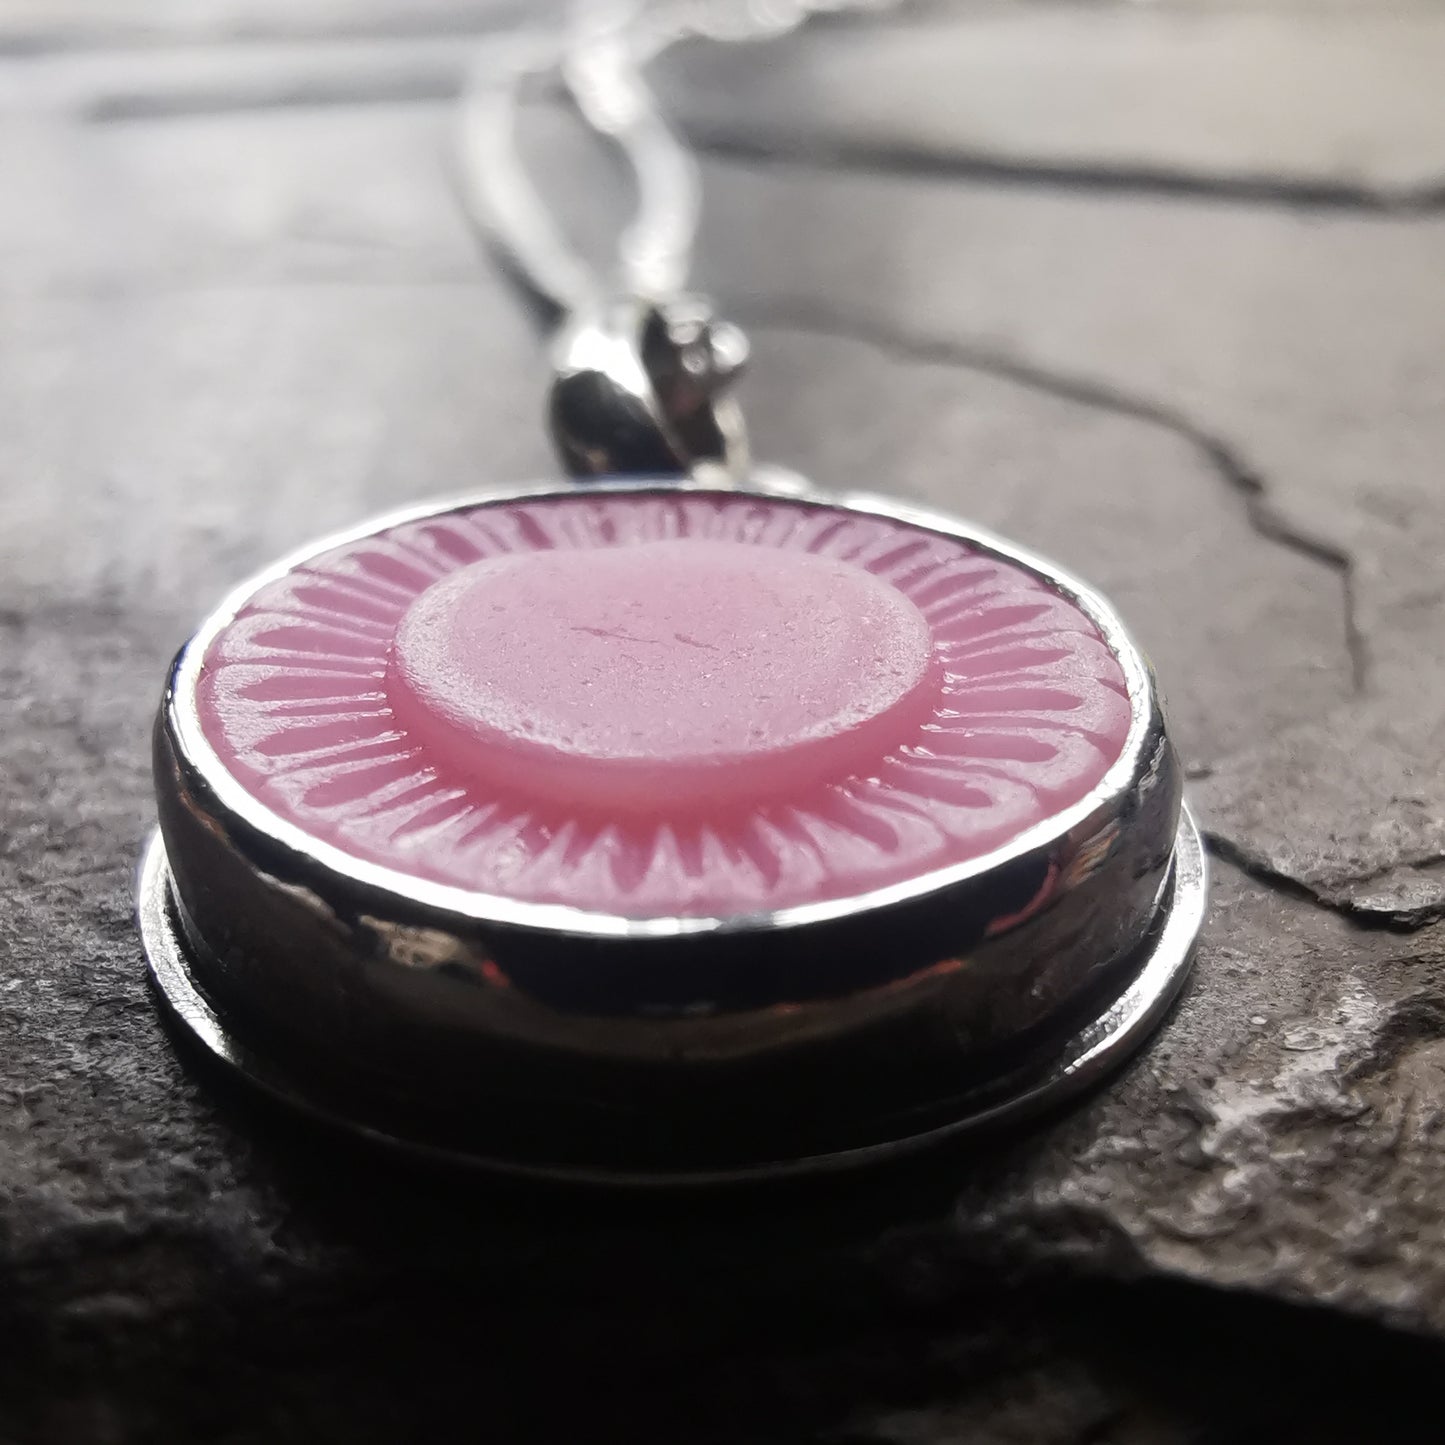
x=641, y=370
x=599, y=54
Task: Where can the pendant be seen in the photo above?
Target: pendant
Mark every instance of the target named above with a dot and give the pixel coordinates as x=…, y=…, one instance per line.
x=666, y=830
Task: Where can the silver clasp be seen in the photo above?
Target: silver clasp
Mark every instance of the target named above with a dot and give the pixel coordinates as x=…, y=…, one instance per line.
x=640, y=389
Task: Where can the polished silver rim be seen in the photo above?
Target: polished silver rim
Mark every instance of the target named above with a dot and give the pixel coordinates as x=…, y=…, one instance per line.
x=235, y=802
x=1085, y=1059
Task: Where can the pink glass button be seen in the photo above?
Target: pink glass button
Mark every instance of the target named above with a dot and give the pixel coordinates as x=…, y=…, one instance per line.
x=664, y=680
x=653, y=705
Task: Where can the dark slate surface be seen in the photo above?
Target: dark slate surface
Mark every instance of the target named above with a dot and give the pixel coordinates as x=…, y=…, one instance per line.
x=229, y=323
x=39, y=27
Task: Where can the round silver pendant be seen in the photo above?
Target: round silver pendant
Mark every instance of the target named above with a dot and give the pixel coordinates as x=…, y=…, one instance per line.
x=422, y=965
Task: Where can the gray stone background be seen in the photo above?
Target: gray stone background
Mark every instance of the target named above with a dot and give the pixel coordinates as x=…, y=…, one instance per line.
x=1157, y=288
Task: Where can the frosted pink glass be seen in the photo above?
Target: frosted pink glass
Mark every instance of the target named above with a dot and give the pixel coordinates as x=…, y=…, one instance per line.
x=653, y=704
x=666, y=679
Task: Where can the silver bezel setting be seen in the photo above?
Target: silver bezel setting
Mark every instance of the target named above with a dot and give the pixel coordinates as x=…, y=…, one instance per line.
x=216, y=984
x=1088, y=1056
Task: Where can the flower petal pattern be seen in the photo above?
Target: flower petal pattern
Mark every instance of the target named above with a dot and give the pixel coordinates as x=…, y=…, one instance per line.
x=1021, y=711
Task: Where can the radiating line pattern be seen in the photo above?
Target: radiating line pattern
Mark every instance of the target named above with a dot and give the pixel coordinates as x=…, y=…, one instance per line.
x=1031, y=710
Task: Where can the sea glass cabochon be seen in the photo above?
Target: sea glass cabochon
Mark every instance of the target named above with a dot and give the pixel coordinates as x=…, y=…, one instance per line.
x=659, y=703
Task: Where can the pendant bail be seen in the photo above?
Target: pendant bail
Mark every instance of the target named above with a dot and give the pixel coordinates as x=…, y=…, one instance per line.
x=640, y=388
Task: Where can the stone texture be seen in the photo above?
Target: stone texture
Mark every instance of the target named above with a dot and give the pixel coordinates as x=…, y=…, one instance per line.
x=1305, y=367
x=38, y=27
x=225, y=332
x=1347, y=107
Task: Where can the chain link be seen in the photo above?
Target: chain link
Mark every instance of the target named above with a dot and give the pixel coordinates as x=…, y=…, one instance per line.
x=739, y=20
x=599, y=55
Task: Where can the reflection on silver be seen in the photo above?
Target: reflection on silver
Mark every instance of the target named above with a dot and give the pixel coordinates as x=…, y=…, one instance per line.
x=553, y=1041
x=1084, y=1059
x=640, y=389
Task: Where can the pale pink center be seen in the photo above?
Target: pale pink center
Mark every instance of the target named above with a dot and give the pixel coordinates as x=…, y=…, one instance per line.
x=661, y=703
x=663, y=676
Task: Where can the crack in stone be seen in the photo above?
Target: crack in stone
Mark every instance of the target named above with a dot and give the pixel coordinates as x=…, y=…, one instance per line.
x=1222, y=458
x=438, y=79
x=1362, y=912
x=1220, y=845
x=426, y=84
x=863, y=158
x=1423, y=864
x=1218, y=453
x=123, y=40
